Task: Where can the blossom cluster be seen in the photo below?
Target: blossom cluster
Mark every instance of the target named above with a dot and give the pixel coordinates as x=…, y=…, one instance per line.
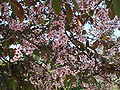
x=68, y=42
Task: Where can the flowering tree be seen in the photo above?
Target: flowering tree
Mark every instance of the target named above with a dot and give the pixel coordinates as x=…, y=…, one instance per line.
x=59, y=44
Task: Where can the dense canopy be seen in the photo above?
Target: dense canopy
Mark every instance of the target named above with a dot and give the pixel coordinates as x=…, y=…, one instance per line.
x=59, y=44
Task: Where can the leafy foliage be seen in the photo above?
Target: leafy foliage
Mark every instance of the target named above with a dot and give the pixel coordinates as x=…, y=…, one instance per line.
x=116, y=5
x=59, y=44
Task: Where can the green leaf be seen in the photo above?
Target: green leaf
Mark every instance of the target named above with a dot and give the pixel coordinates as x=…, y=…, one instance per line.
x=1, y=50
x=84, y=16
x=11, y=84
x=36, y=52
x=56, y=6
x=116, y=6
x=76, y=5
x=108, y=3
x=87, y=43
x=91, y=12
x=69, y=12
x=52, y=62
x=96, y=83
x=47, y=2
x=78, y=88
x=84, y=80
x=68, y=80
x=5, y=0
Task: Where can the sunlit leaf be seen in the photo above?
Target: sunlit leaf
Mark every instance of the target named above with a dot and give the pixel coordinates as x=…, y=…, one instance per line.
x=80, y=20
